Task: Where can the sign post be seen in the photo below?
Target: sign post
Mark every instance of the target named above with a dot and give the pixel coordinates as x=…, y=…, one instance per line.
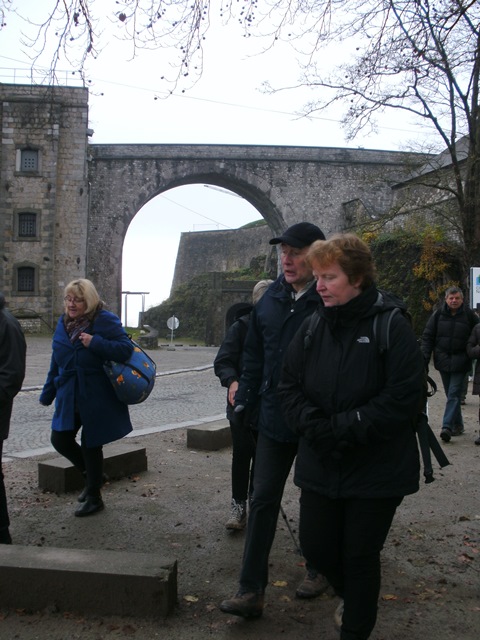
x=172, y=323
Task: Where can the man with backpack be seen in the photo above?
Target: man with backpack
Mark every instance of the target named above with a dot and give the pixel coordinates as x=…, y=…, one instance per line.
x=446, y=335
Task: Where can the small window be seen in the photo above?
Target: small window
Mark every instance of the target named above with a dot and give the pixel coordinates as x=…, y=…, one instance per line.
x=29, y=160
x=26, y=279
x=27, y=225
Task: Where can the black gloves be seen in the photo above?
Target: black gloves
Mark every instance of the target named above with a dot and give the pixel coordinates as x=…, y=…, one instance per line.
x=320, y=437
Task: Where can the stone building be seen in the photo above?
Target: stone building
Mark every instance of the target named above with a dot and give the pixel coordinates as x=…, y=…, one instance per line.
x=44, y=194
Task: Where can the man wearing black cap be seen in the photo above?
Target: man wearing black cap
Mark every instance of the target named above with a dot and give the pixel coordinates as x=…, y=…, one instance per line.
x=12, y=371
x=273, y=323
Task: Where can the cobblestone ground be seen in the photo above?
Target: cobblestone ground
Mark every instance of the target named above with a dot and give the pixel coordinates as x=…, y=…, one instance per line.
x=186, y=390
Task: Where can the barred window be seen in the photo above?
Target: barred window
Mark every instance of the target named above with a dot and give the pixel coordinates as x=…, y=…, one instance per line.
x=29, y=160
x=26, y=279
x=27, y=225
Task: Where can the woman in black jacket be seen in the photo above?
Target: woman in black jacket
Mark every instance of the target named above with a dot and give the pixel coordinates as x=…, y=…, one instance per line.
x=355, y=410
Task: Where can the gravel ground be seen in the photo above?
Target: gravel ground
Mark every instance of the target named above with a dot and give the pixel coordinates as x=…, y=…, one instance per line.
x=431, y=581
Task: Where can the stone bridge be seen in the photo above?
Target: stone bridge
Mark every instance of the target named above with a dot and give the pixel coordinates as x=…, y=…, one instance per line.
x=285, y=184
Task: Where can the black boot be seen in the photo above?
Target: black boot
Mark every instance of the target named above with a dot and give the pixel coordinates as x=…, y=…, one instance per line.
x=91, y=505
x=83, y=496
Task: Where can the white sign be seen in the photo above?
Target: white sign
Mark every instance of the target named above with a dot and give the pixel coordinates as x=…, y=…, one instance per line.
x=173, y=323
x=474, y=287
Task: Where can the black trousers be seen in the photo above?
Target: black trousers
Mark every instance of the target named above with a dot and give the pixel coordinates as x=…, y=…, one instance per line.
x=273, y=461
x=88, y=460
x=4, y=520
x=343, y=539
x=243, y=458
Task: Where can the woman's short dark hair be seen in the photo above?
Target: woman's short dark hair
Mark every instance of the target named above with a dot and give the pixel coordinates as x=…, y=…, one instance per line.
x=350, y=252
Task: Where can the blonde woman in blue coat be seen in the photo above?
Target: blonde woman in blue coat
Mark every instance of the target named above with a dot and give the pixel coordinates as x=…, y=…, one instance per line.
x=86, y=335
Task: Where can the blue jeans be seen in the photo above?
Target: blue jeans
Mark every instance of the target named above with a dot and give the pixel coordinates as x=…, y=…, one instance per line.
x=342, y=539
x=273, y=461
x=453, y=384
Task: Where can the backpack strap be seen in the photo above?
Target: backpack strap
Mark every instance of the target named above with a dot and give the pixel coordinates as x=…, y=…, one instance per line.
x=309, y=333
x=381, y=328
x=426, y=438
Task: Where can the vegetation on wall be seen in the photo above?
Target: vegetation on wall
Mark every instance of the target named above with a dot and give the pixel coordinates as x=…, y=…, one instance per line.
x=417, y=265
x=191, y=302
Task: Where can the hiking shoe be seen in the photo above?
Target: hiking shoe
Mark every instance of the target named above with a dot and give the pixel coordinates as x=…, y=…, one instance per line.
x=477, y=441
x=238, y=515
x=313, y=585
x=245, y=605
x=338, y=617
x=446, y=435
x=458, y=430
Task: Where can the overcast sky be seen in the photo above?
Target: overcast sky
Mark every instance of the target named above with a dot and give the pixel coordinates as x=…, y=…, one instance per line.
x=226, y=106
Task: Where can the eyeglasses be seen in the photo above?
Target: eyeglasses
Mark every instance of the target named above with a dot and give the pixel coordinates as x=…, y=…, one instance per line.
x=75, y=300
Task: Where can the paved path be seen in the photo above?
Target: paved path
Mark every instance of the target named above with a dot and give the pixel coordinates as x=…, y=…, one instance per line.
x=186, y=393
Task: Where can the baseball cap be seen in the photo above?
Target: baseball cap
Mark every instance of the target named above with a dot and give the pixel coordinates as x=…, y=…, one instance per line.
x=300, y=235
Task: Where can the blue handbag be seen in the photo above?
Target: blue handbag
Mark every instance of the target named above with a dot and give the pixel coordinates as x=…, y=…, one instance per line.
x=134, y=379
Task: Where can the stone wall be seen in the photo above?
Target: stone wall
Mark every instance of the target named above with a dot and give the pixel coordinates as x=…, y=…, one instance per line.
x=209, y=251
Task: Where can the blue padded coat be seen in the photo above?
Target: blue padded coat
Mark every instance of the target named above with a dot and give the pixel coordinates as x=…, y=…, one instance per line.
x=77, y=382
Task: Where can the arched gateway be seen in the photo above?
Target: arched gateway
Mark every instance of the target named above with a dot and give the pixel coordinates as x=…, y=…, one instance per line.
x=65, y=204
x=285, y=185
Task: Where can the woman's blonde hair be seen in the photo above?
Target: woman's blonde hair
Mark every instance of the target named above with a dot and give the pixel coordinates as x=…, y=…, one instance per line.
x=350, y=252
x=85, y=290
x=259, y=289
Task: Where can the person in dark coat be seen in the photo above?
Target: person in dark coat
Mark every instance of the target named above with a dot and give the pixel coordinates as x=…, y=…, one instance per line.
x=446, y=335
x=354, y=408
x=228, y=366
x=85, y=337
x=273, y=323
x=473, y=352
x=13, y=351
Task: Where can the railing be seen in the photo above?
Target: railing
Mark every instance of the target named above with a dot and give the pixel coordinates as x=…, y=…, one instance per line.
x=61, y=77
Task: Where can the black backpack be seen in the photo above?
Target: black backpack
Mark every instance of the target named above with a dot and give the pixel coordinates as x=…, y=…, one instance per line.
x=427, y=440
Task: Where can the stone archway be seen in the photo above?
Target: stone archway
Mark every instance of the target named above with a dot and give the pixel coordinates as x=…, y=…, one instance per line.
x=284, y=184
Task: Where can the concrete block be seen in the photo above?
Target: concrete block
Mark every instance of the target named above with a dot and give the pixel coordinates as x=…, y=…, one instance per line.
x=87, y=581
x=120, y=460
x=209, y=437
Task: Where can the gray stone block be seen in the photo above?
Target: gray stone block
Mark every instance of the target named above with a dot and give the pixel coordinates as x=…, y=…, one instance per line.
x=209, y=437
x=120, y=460
x=87, y=581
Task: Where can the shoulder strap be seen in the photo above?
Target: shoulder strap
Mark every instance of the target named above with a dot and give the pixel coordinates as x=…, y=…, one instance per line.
x=436, y=318
x=381, y=328
x=471, y=317
x=312, y=327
